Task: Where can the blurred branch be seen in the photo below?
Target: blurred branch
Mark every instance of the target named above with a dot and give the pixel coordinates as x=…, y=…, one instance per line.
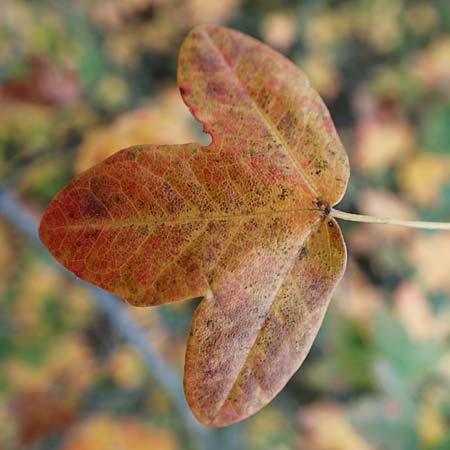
x=122, y=321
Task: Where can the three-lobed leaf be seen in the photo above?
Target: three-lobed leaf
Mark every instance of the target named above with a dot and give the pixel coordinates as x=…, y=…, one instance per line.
x=243, y=223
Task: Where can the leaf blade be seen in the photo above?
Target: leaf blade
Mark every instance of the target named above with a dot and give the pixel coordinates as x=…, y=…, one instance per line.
x=250, y=85
x=286, y=334
x=231, y=221
x=109, y=229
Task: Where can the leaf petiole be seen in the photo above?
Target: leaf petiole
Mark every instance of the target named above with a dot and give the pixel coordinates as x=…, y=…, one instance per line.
x=385, y=220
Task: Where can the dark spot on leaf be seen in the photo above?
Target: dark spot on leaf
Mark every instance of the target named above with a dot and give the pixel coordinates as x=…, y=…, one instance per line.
x=263, y=98
x=216, y=89
x=95, y=185
x=206, y=62
x=192, y=268
x=321, y=164
x=143, y=230
x=91, y=234
x=93, y=208
x=175, y=205
x=284, y=193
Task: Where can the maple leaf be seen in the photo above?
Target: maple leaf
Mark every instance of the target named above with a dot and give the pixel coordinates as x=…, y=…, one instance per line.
x=243, y=223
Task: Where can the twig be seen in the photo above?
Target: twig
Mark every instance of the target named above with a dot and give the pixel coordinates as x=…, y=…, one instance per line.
x=388, y=221
x=123, y=322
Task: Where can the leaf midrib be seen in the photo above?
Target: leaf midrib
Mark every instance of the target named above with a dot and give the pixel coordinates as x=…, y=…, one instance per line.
x=122, y=224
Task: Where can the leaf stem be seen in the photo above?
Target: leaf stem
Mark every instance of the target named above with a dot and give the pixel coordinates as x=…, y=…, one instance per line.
x=403, y=223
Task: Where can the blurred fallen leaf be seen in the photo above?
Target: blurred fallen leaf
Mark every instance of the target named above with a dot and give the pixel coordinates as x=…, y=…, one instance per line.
x=279, y=29
x=155, y=26
x=382, y=420
x=382, y=28
x=432, y=65
x=423, y=176
x=112, y=91
x=326, y=426
x=126, y=368
x=382, y=143
x=432, y=422
x=324, y=30
x=24, y=127
x=416, y=314
x=41, y=281
x=422, y=17
x=106, y=433
x=165, y=120
x=9, y=434
x=112, y=14
x=59, y=369
x=269, y=429
x=126, y=45
x=430, y=255
x=196, y=12
x=7, y=261
x=356, y=297
x=44, y=84
x=43, y=412
x=323, y=73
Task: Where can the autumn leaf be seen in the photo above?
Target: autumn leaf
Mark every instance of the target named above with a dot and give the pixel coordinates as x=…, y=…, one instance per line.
x=326, y=426
x=45, y=85
x=165, y=120
x=60, y=413
x=101, y=432
x=243, y=223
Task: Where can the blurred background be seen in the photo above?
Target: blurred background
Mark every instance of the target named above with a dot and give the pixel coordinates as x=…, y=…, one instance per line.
x=81, y=79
